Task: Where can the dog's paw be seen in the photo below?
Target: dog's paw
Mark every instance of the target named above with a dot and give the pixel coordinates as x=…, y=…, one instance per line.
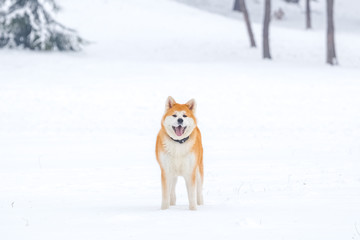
x=165, y=206
x=192, y=207
x=172, y=201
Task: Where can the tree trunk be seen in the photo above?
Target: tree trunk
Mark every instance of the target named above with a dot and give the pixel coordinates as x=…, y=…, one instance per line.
x=248, y=23
x=266, y=47
x=237, y=6
x=331, y=53
x=308, y=15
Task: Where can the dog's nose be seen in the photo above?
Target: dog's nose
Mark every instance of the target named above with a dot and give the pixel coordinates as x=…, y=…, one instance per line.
x=180, y=120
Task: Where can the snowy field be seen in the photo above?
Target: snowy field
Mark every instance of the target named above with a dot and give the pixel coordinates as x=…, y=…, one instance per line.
x=281, y=138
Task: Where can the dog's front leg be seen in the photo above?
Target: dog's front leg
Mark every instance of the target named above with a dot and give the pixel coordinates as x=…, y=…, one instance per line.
x=191, y=189
x=172, y=193
x=165, y=187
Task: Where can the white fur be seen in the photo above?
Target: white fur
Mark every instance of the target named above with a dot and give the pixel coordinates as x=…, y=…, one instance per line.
x=171, y=121
x=178, y=160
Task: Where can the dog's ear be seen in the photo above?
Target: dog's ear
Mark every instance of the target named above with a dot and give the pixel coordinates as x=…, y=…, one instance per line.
x=169, y=103
x=191, y=105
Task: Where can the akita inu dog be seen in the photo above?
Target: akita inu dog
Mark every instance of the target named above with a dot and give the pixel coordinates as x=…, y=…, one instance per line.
x=179, y=152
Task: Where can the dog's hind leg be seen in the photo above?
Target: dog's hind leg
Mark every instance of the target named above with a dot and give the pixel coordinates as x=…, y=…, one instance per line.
x=172, y=193
x=199, y=186
x=191, y=189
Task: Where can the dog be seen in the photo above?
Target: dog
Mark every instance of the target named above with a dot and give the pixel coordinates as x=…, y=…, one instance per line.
x=179, y=152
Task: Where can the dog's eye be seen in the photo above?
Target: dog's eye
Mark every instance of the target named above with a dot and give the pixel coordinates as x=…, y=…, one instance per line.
x=184, y=116
x=174, y=115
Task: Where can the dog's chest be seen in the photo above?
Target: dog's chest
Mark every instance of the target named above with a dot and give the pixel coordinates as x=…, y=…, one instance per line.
x=178, y=158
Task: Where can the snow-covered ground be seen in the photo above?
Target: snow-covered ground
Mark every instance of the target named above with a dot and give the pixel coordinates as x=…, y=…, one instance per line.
x=77, y=130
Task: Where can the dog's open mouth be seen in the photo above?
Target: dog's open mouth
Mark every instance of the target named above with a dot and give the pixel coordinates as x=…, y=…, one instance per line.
x=179, y=130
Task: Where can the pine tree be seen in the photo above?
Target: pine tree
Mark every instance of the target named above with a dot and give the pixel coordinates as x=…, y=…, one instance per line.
x=29, y=24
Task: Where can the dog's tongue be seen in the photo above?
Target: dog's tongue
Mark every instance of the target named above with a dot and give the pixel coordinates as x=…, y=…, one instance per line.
x=179, y=131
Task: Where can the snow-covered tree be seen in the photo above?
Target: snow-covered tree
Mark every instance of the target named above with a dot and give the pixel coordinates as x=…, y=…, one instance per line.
x=30, y=24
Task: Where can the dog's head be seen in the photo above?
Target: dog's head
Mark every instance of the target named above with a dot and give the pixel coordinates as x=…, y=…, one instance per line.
x=179, y=119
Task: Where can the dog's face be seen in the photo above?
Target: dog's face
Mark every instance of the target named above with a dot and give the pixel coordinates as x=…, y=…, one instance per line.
x=179, y=119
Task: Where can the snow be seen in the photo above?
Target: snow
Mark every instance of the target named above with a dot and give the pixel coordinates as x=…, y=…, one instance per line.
x=281, y=137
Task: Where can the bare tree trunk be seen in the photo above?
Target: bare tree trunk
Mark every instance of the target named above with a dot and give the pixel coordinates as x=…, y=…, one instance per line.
x=266, y=47
x=248, y=23
x=331, y=53
x=308, y=15
x=237, y=6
